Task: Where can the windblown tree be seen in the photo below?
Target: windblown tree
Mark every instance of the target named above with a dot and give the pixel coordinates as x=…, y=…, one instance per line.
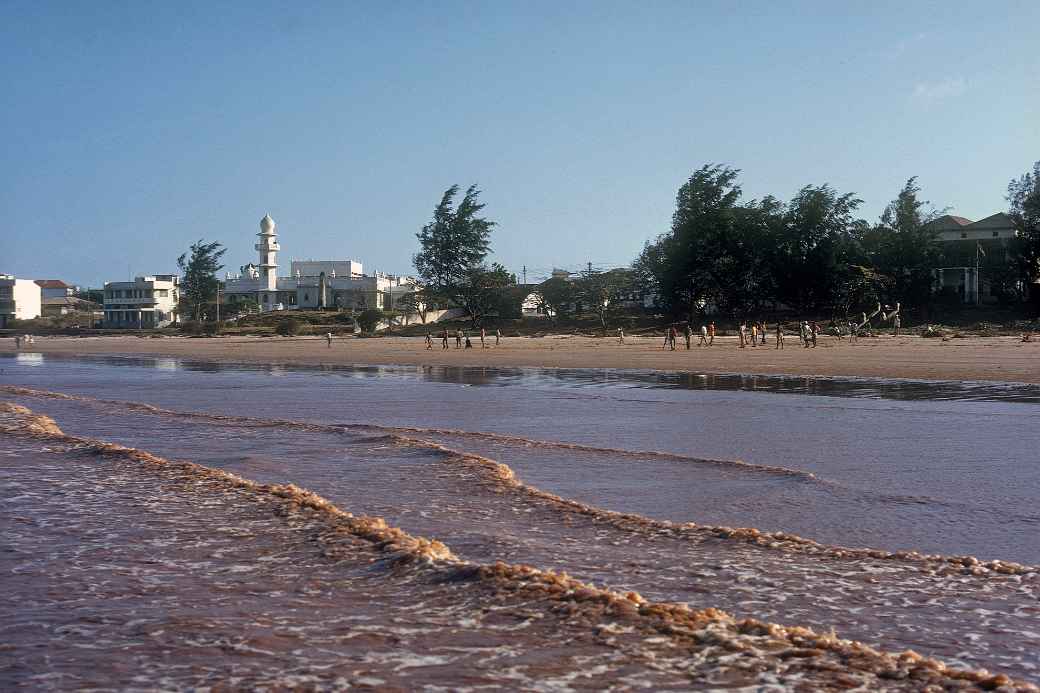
x=904, y=248
x=816, y=246
x=453, y=247
x=199, y=267
x=1024, y=198
x=717, y=251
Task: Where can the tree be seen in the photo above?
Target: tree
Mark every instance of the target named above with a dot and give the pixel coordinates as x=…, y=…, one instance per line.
x=815, y=248
x=717, y=251
x=453, y=246
x=556, y=296
x=1024, y=199
x=413, y=303
x=199, y=281
x=480, y=291
x=903, y=247
x=368, y=319
x=600, y=292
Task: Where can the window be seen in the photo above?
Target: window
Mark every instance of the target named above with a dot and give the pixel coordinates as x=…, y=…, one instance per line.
x=996, y=234
x=964, y=234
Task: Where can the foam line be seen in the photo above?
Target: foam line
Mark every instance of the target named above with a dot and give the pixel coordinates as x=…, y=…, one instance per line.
x=697, y=628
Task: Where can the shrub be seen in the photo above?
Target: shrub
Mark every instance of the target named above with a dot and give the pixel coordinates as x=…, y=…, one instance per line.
x=369, y=319
x=192, y=327
x=211, y=328
x=289, y=327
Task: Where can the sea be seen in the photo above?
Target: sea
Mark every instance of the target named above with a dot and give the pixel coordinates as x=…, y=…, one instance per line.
x=176, y=524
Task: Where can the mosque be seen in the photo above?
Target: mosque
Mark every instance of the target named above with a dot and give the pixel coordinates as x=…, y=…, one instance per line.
x=312, y=284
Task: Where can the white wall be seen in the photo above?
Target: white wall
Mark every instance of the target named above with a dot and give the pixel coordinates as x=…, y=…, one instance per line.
x=27, y=299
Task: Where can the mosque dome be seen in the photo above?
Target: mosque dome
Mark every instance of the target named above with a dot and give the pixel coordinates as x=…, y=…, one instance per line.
x=267, y=224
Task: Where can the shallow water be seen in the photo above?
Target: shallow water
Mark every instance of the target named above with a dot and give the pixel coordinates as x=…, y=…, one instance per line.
x=950, y=477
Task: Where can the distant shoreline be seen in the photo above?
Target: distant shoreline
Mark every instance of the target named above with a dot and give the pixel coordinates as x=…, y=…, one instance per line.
x=999, y=359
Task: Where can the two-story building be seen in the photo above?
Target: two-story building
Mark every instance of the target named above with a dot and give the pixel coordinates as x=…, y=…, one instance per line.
x=971, y=250
x=20, y=299
x=145, y=303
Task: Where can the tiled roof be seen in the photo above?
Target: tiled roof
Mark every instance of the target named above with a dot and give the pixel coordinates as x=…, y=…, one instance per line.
x=52, y=284
x=994, y=221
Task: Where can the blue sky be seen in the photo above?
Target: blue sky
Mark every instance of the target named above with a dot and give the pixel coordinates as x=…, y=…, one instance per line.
x=132, y=129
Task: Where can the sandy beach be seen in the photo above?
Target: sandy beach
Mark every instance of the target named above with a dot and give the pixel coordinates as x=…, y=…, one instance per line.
x=1005, y=359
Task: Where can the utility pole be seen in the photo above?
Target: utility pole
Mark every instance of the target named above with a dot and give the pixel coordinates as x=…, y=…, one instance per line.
x=525, y=274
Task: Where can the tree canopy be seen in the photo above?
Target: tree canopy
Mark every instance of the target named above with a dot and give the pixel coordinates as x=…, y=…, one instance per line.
x=1024, y=200
x=199, y=267
x=452, y=250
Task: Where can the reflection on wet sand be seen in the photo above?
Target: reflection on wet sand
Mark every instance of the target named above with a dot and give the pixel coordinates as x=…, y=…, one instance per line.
x=206, y=578
x=858, y=387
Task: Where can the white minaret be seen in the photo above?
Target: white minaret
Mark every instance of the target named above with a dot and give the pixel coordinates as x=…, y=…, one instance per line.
x=268, y=247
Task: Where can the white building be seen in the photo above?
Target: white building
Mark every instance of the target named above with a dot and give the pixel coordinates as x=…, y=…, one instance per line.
x=20, y=299
x=144, y=303
x=314, y=284
x=972, y=249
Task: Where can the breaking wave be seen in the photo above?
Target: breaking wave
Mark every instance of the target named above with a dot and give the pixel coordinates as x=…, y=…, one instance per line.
x=504, y=478
x=704, y=629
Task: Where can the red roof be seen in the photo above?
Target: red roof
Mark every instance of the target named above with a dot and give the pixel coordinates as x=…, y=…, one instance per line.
x=52, y=284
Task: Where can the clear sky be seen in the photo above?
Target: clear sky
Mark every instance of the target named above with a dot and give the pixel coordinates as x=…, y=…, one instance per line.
x=131, y=129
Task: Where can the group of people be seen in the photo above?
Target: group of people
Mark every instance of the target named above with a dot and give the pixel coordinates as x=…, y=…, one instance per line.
x=671, y=337
x=752, y=335
x=462, y=338
x=23, y=340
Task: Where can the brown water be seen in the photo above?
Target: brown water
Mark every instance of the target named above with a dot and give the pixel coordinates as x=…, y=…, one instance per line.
x=425, y=455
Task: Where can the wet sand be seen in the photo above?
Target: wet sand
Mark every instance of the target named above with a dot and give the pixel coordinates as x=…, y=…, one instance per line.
x=1005, y=359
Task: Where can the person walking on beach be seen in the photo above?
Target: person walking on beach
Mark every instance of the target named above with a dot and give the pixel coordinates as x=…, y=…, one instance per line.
x=498, y=336
x=328, y=339
x=704, y=336
x=687, y=335
x=483, y=334
x=814, y=332
x=852, y=332
x=754, y=334
x=429, y=340
x=779, y=335
x=444, y=339
x=895, y=326
x=711, y=333
x=469, y=344
x=742, y=333
x=762, y=331
x=672, y=336
x=803, y=333
x=17, y=342
x=620, y=336
x=458, y=339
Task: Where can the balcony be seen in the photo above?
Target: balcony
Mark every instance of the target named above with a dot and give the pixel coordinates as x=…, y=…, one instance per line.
x=262, y=247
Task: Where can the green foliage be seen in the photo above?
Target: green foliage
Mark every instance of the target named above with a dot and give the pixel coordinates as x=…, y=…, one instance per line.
x=1024, y=200
x=453, y=246
x=191, y=327
x=904, y=248
x=198, y=277
x=601, y=292
x=368, y=319
x=556, y=297
x=481, y=291
x=740, y=257
x=290, y=327
x=211, y=328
